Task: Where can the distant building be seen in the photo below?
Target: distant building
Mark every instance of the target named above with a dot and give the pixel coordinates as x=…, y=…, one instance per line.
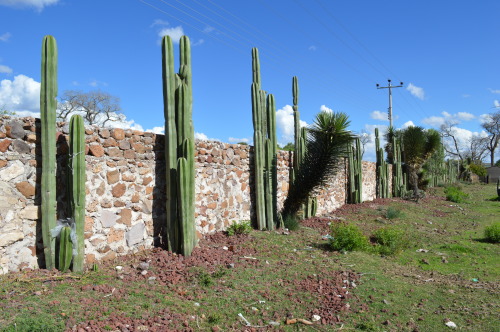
x=493, y=174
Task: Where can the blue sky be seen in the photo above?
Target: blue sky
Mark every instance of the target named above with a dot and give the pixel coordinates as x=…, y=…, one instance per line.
x=446, y=53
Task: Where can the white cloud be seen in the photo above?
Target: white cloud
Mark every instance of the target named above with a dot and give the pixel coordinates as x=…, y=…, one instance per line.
x=466, y=95
x=494, y=91
x=238, y=140
x=416, y=91
x=437, y=121
x=5, y=37
x=5, y=69
x=377, y=115
x=20, y=94
x=158, y=22
x=37, y=4
x=175, y=33
x=484, y=117
x=203, y=137
x=312, y=48
x=208, y=29
x=157, y=130
x=407, y=124
x=496, y=103
x=285, y=124
x=198, y=43
x=96, y=83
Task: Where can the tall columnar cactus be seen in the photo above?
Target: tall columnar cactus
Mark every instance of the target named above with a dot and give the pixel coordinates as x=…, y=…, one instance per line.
x=300, y=139
x=382, y=170
x=397, y=180
x=77, y=186
x=179, y=147
x=355, y=173
x=265, y=166
x=48, y=104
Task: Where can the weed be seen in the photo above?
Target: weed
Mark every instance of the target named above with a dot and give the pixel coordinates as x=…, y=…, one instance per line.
x=205, y=279
x=454, y=194
x=457, y=248
x=390, y=241
x=492, y=233
x=393, y=213
x=219, y=273
x=214, y=319
x=39, y=323
x=244, y=227
x=347, y=237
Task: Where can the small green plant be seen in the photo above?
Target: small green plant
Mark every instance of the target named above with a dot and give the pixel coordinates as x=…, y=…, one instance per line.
x=214, y=319
x=390, y=241
x=393, y=213
x=454, y=194
x=492, y=233
x=240, y=228
x=291, y=222
x=205, y=279
x=479, y=170
x=38, y=323
x=347, y=237
x=221, y=271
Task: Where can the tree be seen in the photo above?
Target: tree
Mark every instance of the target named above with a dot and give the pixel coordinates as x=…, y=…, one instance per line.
x=96, y=107
x=328, y=141
x=492, y=126
x=364, y=138
x=418, y=146
x=474, y=147
x=289, y=147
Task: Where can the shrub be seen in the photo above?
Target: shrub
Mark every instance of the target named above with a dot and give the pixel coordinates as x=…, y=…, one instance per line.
x=38, y=323
x=390, y=241
x=492, y=233
x=479, y=170
x=347, y=237
x=454, y=194
x=393, y=213
x=243, y=227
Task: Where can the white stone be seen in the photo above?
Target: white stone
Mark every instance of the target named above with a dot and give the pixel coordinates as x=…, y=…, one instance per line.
x=316, y=318
x=30, y=212
x=135, y=235
x=12, y=172
x=9, y=238
x=108, y=218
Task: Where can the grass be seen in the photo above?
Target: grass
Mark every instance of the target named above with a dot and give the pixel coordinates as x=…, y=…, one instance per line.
x=447, y=271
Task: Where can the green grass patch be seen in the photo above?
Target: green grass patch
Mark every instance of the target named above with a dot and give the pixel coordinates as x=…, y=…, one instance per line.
x=492, y=233
x=347, y=237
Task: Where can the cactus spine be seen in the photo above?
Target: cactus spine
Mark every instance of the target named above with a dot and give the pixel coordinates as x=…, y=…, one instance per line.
x=179, y=147
x=382, y=170
x=265, y=160
x=355, y=173
x=48, y=104
x=77, y=186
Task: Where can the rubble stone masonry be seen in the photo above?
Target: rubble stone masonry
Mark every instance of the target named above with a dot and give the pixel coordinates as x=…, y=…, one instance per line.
x=125, y=187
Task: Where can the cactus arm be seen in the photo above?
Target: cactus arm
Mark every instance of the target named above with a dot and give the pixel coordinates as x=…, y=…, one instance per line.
x=77, y=186
x=48, y=104
x=65, y=249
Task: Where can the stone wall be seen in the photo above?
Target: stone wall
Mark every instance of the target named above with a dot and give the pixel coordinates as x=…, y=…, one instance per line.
x=126, y=190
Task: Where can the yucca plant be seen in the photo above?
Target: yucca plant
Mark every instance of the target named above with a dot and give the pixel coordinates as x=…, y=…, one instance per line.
x=327, y=145
x=419, y=145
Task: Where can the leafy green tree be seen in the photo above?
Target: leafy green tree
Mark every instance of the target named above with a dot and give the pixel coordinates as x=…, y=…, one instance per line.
x=419, y=145
x=289, y=147
x=497, y=164
x=328, y=141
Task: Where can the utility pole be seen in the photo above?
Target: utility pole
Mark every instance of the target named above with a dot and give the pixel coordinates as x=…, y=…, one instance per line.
x=390, y=87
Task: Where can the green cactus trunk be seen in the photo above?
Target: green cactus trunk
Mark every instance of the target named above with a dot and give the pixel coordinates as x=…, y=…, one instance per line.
x=77, y=186
x=397, y=182
x=355, y=173
x=265, y=160
x=65, y=249
x=48, y=105
x=383, y=190
x=179, y=148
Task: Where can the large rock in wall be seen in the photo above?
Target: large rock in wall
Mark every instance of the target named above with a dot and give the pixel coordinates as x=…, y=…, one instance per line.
x=125, y=203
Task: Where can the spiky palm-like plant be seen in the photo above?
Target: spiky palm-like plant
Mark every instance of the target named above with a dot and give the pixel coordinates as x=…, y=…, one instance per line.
x=327, y=144
x=419, y=145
